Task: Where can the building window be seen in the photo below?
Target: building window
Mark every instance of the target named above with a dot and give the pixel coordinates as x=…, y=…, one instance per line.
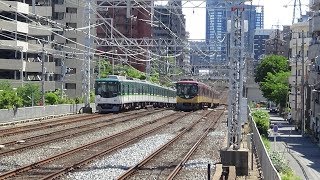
x=71, y=86
x=71, y=25
x=57, y=61
x=57, y=15
x=58, y=1
x=71, y=10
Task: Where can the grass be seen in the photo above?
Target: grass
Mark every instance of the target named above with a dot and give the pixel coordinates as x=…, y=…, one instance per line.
x=266, y=142
x=289, y=175
x=277, y=160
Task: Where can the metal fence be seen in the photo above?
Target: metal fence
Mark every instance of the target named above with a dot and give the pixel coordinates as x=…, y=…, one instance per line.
x=268, y=170
x=10, y=115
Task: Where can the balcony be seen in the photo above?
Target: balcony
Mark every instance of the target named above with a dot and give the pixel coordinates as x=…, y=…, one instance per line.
x=292, y=80
x=42, y=10
x=314, y=51
x=315, y=23
x=36, y=67
x=12, y=44
x=15, y=6
x=37, y=30
x=314, y=4
x=12, y=64
x=73, y=17
x=13, y=26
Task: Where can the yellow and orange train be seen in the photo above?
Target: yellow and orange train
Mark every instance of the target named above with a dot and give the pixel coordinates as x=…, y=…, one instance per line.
x=193, y=95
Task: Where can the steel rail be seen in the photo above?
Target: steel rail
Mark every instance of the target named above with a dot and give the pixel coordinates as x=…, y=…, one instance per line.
x=48, y=125
x=86, y=146
x=193, y=149
x=72, y=133
x=59, y=119
x=130, y=171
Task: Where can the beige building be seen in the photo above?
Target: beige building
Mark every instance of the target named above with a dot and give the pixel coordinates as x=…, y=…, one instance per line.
x=24, y=42
x=299, y=30
x=313, y=85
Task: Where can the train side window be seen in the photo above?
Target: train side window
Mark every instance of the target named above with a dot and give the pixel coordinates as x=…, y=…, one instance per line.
x=123, y=90
x=128, y=90
x=133, y=91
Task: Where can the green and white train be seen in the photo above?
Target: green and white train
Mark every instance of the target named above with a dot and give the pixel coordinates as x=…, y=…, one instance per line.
x=117, y=93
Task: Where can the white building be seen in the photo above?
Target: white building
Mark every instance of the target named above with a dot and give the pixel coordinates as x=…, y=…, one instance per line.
x=299, y=30
x=313, y=85
x=23, y=39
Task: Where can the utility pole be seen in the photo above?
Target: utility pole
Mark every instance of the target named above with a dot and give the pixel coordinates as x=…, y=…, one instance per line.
x=63, y=72
x=21, y=73
x=99, y=68
x=302, y=87
x=277, y=41
x=42, y=74
x=296, y=84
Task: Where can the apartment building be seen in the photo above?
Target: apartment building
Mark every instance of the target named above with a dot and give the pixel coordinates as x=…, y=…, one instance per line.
x=259, y=46
x=299, y=30
x=24, y=43
x=134, y=24
x=313, y=85
x=69, y=41
x=171, y=25
x=278, y=43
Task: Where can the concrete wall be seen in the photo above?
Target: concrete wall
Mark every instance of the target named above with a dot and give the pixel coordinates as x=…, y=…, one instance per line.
x=10, y=115
x=268, y=170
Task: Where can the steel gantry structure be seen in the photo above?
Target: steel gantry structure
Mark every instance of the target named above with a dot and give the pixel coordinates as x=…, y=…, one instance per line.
x=87, y=57
x=236, y=63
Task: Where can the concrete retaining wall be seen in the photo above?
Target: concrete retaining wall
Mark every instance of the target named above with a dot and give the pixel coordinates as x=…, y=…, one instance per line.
x=10, y=115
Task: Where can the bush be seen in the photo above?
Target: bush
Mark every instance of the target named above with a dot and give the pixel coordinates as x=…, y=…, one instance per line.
x=51, y=98
x=261, y=118
x=289, y=175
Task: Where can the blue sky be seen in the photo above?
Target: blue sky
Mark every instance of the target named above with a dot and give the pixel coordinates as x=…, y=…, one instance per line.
x=274, y=11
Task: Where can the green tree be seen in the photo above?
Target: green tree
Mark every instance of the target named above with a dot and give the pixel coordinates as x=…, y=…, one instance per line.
x=276, y=88
x=272, y=64
x=105, y=68
x=28, y=93
x=8, y=96
x=51, y=98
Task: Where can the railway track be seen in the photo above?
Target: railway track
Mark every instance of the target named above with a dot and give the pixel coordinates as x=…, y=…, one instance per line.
x=169, y=159
x=57, y=165
x=38, y=140
x=44, y=125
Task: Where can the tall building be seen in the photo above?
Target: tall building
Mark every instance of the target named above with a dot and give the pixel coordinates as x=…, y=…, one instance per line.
x=134, y=25
x=199, y=53
x=217, y=16
x=259, y=46
x=25, y=44
x=279, y=42
x=170, y=25
x=216, y=29
x=70, y=54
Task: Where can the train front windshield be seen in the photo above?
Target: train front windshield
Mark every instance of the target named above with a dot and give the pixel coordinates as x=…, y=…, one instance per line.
x=107, y=89
x=187, y=91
